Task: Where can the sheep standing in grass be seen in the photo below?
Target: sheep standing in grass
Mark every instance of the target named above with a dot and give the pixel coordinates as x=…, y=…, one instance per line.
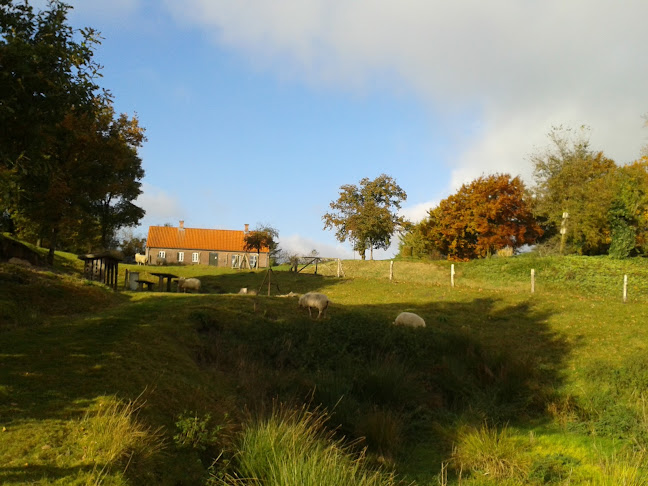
x=409, y=319
x=315, y=300
x=185, y=284
x=140, y=259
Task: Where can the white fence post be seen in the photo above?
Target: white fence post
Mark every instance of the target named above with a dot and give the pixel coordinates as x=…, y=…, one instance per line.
x=339, y=268
x=625, y=288
x=391, y=270
x=533, y=280
x=452, y=274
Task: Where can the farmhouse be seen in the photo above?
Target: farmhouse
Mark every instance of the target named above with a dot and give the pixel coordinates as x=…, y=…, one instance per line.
x=194, y=246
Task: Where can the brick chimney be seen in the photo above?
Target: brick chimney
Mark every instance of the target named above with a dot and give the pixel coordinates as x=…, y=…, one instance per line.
x=247, y=229
x=181, y=225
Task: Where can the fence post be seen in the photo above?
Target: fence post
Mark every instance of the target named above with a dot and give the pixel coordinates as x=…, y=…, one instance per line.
x=391, y=270
x=452, y=274
x=625, y=288
x=533, y=280
x=339, y=267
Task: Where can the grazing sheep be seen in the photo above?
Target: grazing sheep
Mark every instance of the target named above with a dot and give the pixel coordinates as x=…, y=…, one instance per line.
x=246, y=291
x=140, y=259
x=19, y=261
x=409, y=319
x=185, y=284
x=313, y=299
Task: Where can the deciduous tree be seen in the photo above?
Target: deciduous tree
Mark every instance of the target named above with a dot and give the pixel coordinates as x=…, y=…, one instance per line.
x=571, y=178
x=367, y=214
x=261, y=238
x=69, y=169
x=628, y=213
x=486, y=215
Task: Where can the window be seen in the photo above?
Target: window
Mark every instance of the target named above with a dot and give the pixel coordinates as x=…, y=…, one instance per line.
x=195, y=257
x=181, y=256
x=162, y=254
x=253, y=261
x=236, y=261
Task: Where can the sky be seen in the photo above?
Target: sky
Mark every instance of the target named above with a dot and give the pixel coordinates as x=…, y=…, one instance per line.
x=257, y=111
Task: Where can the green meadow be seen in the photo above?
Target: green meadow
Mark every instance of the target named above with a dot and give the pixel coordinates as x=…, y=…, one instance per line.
x=503, y=386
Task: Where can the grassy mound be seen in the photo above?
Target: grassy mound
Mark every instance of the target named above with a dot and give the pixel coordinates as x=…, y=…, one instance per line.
x=501, y=387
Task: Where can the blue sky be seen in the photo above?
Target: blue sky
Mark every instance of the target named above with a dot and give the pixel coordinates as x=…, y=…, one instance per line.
x=257, y=111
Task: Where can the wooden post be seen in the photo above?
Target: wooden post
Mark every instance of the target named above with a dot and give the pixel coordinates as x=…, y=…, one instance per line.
x=391, y=270
x=532, y=280
x=452, y=274
x=625, y=288
x=339, y=267
x=126, y=280
x=269, y=278
x=563, y=232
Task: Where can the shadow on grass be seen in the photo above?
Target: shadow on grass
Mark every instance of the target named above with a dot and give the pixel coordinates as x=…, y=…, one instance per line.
x=480, y=360
x=231, y=282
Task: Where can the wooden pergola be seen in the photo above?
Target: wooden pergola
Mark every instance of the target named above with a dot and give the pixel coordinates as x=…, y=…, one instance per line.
x=102, y=267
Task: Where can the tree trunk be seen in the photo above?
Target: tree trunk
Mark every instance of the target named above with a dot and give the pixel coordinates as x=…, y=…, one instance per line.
x=371, y=253
x=52, y=248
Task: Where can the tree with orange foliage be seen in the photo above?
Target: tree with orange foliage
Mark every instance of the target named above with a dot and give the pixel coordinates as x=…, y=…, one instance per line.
x=484, y=216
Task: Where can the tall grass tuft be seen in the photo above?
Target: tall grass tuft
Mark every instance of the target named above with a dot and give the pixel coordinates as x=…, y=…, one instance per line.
x=382, y=430
x=292, y=447
x=491, y=453
x=112, y=438
x=624, y=469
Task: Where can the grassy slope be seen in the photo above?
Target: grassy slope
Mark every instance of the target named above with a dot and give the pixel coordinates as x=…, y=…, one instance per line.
x=563, y=366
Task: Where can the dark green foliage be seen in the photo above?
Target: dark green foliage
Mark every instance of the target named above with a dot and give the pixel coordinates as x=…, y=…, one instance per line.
x=197, y=432
x=553, y=468
x=69, y=170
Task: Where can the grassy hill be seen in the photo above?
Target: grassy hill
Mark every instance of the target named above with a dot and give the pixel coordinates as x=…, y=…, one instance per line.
x=501, y=387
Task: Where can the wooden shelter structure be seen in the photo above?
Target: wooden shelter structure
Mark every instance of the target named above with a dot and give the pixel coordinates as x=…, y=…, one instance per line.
x=102, y=267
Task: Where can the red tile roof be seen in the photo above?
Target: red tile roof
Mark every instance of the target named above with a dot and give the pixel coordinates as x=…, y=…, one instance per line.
x=196, y=239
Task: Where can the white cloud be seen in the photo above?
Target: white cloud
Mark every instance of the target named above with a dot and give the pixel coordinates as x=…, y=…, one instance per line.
x=160, y=206
x=518, y=67
x=300, y=245
x=417, y=212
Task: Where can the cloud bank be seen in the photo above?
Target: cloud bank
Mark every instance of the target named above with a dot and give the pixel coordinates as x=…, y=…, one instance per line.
x=514, y=69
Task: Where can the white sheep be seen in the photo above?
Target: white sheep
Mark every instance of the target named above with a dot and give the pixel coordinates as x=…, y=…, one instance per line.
x=185, y=284
x=409, y=319
x=315, y=300
x=140, y=259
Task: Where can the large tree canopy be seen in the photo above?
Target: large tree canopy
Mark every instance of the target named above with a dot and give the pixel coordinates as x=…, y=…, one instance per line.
x=367, y=215
x=484, y=216
x=577, y=185
x=69, y=169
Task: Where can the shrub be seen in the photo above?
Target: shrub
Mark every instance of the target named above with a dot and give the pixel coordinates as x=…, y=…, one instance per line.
x=197, y=432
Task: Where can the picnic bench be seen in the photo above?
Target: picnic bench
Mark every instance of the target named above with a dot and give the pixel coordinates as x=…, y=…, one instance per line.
x=145, y=283
x=162, y=277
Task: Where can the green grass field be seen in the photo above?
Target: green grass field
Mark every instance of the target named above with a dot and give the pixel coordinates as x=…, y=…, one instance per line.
x=501, y=387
